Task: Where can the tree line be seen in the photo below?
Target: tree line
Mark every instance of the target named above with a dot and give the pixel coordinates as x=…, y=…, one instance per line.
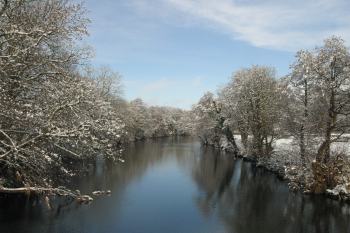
x=56, y=111
x=311, y=105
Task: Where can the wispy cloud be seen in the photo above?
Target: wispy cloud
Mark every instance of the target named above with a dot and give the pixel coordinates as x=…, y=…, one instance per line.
x=172, y=51
x=283, y=25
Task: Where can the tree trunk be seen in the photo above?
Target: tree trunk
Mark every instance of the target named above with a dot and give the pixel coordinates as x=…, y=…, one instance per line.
x=302, y=128
x=302, y=146
x=324, y=151
x=244, y=138
x=229, y=135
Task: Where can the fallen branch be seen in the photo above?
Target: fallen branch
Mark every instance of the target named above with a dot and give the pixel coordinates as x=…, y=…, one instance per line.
x=66, y=150
x=103, y=192
x=47, y=191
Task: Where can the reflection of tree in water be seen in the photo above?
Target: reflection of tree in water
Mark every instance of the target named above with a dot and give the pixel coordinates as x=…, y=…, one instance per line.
x=212, y=173
x=264, y=204
x=105, y=175
x=249, y=199
x=323, y=215
x=244, y=198
x=253, y=203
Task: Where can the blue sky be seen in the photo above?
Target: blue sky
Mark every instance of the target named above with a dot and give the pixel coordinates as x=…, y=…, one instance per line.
x=169, y=52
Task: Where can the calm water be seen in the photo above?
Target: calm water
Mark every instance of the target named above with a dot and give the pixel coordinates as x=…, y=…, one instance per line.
x=175, y=185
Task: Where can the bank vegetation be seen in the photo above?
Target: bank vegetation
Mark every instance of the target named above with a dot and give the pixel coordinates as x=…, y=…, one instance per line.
x=297, y=126
x=57, y=111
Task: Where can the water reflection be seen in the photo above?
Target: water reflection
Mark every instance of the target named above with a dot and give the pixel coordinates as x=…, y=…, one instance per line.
x=250, y=199
x=175, y=185
x=213, y=174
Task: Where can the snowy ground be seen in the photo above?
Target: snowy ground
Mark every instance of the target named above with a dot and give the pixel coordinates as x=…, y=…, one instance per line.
x=288, y=149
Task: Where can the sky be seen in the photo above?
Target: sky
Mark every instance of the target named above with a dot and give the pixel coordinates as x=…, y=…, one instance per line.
x=170, y=52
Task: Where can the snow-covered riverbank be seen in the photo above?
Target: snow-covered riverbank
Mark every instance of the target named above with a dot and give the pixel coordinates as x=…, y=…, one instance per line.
x=285, y=162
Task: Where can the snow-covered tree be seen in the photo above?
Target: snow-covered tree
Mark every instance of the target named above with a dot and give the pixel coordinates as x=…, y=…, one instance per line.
x=332, y=70
x=253, y=97
x=206, y=115
x=51, y=116
x=300, y=96
x=212, y=125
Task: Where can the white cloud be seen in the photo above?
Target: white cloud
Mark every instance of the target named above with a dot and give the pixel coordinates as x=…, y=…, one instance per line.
x=285, y=25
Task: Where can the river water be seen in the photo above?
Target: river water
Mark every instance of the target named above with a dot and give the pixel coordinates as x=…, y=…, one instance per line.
x=176, y=185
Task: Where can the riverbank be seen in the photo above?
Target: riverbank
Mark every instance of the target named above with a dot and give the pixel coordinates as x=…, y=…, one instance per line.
x=286, y=164
x=55, y=173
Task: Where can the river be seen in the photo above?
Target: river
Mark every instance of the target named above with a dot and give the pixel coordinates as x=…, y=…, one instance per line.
x=176, y=185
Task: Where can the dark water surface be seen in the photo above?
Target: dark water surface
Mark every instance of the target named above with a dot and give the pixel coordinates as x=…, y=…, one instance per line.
x=175, y=185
